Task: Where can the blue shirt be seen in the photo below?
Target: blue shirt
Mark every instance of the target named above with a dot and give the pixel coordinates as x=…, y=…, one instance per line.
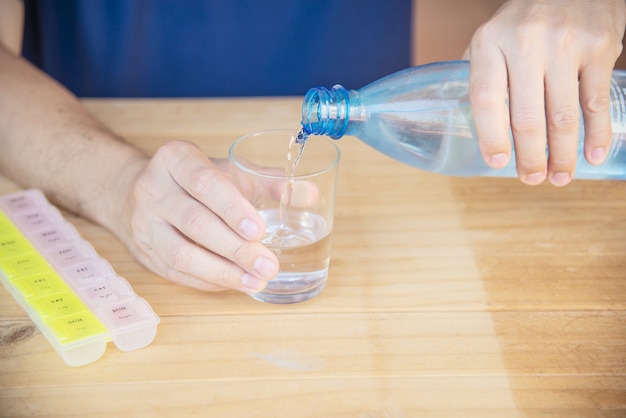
x=202, y=48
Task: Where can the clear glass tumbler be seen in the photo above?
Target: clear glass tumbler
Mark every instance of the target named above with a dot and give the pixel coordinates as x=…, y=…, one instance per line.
x=297, y=206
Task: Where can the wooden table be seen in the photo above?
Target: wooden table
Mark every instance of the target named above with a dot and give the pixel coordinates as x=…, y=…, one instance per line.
x=447, y=297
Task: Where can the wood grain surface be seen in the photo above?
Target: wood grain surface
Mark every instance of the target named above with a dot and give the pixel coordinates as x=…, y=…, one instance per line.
x=447, y=297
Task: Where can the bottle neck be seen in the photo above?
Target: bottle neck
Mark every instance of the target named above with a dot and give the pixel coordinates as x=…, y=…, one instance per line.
x=327, y=111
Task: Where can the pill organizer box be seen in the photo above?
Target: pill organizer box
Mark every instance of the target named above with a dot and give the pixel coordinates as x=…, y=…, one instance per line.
x=73, y=295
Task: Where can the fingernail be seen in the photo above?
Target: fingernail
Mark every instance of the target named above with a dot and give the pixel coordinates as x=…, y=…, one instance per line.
x=249, y=228
x=597, y=155
x=534, y=178
x=265, y=267
x=253, y=283
x=560, y=179
x=498, y=160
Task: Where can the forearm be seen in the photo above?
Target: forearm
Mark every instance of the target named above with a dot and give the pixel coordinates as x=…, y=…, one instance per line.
x=11, y=24
x=177, y=212
x=49, y=141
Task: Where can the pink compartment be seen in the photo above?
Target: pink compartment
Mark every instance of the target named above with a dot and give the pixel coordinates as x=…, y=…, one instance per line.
x=87, y=272
x=54, y=235
x=70, y=253
x=101, y=291
x=42, y=217
x=128, y=313
x=22, y=201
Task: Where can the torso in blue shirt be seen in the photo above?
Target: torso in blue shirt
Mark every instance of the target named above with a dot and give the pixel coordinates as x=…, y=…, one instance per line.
x=201, y=48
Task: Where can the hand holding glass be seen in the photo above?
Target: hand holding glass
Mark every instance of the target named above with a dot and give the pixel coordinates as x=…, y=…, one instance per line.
x=298, y=209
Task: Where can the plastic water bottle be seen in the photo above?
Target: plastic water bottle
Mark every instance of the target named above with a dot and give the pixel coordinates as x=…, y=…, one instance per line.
x=421, y=116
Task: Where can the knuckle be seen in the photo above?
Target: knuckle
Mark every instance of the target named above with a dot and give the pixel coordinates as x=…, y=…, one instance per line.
x=225, y=278
x=561, y=163
x=195, y=223
x=484, y=34
x=201, y=179
x=599, y=136
x=565, y=41
x=564, y=119
x=146, y=187
x=180, y=258
x=603, y=44
x=596, y=105
x=619, y=47
x=171, y=148
x=603, y=39
x=240, y=252
x=531, y=165
x=231, y=210
x=483, y=97
x=530, y=27
x=524, y=121
x=493, y=142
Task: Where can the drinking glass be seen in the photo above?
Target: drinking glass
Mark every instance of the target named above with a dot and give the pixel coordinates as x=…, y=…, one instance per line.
x=296, y=202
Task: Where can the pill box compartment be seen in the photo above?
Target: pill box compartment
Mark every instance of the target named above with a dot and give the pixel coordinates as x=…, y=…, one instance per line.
x=70, y=292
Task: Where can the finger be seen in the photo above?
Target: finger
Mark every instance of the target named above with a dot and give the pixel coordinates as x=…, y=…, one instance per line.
x=197, y=175
x=528, y=121
x=222, y=164
x=202, y=226
x=152, y=259
x=562, y=121
x=187, y=264
x=488, y=94
x=594, y=90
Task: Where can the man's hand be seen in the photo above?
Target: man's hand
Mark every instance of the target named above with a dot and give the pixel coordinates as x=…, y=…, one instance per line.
x=189, y=224
x=549, y=58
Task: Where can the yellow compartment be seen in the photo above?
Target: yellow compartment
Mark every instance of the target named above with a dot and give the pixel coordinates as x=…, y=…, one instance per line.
x=13, y=245
x=24, y=265
x=41, y=284
x=57, y=305
x=73, y=328
x=6, y=226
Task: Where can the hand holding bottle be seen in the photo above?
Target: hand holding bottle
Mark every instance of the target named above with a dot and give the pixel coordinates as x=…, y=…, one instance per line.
x=540, y=51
